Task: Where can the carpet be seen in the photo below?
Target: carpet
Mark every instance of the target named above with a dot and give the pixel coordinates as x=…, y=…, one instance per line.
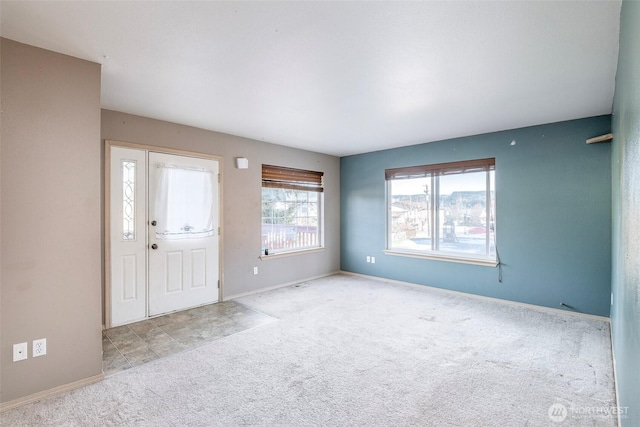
x=351, y=351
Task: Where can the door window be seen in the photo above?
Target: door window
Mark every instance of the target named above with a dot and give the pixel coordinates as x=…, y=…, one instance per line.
x=184, y=203
x=128, y=199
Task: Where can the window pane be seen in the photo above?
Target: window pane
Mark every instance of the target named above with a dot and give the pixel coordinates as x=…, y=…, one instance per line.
x=128, y=199
x=290, y=219
x=411, y=221
x=462, y=215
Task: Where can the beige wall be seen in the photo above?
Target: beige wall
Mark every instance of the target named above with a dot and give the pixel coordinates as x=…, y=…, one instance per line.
x=50, y=218
x=242, y=198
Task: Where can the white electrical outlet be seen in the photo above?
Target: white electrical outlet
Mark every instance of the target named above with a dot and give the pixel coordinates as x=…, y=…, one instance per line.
x=19, y=351
x=39, y=347
x=373, y=260
x=368, y=259
x=255, y=270
x=611, y=298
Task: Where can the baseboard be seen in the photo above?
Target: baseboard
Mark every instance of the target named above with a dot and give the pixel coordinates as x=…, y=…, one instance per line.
x=282, y=285
x=482, y=297
x=615, y=375
x=47, y=393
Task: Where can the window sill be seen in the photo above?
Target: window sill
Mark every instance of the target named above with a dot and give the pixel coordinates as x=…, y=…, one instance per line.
x=447, y=258
x=290, y=253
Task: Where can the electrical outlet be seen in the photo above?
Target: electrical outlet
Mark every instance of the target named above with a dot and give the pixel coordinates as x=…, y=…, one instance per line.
x=373, y=260
x=368, y=259
x=19, y=351
x=255, y=270
x=611, y=298
x=39, y=347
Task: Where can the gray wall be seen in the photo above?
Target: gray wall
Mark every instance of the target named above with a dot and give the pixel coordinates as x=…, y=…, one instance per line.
x=50, y=218
x=553, y=195
x=625, y=313
x=242, y=198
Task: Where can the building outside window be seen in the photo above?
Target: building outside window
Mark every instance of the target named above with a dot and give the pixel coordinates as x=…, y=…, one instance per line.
x=444, y=210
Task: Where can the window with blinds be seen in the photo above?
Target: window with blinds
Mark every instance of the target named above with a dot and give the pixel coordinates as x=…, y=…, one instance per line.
x=443, y=210
x=291, y=209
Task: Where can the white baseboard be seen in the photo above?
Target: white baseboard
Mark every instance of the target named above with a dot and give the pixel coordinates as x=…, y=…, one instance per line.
x=282, y=285
x=47, y=393
x=482, y=297
x=615, y=375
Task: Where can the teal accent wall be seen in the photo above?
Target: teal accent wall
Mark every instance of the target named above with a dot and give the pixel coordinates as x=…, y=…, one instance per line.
x=553, y=195
x=625, y=313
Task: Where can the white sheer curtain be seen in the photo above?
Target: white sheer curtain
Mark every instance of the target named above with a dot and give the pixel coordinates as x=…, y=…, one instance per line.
x=184, y=202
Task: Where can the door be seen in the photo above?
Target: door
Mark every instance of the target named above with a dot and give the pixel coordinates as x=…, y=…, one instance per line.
x=163, y=231
x=183, y=232
x=128, y=235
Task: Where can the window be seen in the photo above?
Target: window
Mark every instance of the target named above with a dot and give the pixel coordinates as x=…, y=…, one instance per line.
x=184, y=204
x=291, y=209
x=128, y=199
x=443, y=210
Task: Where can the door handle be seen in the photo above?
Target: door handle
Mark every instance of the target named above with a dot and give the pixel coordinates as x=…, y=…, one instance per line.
x=154, y=246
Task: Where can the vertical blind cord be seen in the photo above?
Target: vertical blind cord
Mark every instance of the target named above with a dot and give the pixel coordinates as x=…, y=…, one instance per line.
x=499, y=265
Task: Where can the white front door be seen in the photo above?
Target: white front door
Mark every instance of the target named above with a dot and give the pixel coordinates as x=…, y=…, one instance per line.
x=164, y=233
x=183, y=232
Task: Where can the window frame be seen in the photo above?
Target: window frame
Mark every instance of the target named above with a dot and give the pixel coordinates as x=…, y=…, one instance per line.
x=434, y=172
x=285, y=178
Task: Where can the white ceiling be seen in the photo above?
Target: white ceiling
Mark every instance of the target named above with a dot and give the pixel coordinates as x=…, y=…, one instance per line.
x=339, y=77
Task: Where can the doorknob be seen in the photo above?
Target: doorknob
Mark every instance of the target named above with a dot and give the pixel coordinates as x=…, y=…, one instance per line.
x=154, y=246
x=153, y=223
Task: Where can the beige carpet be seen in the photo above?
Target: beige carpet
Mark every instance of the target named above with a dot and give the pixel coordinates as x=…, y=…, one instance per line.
x=348, y=351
